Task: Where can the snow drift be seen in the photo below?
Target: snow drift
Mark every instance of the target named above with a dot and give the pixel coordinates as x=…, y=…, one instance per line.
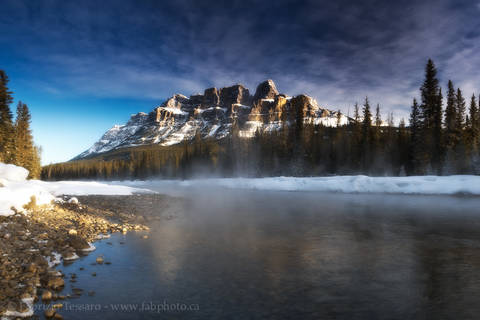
x=11, y=172
x=16, y=191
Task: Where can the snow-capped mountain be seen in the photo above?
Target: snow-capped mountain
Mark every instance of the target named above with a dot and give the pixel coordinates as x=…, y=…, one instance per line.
x=212, y=114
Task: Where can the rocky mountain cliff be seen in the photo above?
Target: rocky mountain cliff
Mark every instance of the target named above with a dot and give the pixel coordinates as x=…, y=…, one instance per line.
x=212, y=114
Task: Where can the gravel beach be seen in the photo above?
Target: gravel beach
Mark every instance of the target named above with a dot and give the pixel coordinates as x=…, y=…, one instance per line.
x=33, y=243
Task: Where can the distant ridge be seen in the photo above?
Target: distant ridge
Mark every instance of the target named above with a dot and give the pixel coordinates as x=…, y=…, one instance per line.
x=211, y=114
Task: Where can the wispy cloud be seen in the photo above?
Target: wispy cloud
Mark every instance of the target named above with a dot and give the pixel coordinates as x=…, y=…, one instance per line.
x=338, y=52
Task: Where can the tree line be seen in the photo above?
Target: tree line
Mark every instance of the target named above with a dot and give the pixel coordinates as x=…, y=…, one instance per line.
x=16, y=141
x=437, y=141
x=444, y=141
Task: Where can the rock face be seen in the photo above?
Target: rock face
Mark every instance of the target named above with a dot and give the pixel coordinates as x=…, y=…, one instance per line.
x=266, y=90
x=210, y=97
x=212, y=114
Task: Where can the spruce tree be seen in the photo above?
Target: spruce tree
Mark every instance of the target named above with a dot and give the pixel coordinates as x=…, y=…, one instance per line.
x=473, y=111
x=366, y=139
x=356, y=113
x=6, y=122
x=377, y=144
x=367, y=114
x=378, y=124
x=450, y=117
x=460, y=149
x=367, y=121
x=26, y=155
x=401, y=156
x=429, y=92
x=438, y=155
x=473, y=130
x=460, y=108
x=415, y=162
x=378, y=117
x=36, y=167
x=431, y=120
x=356, y=139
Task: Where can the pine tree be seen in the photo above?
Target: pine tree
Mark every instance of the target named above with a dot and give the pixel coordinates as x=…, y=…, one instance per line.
x=367, y=120
x=431, y=120
x=438, y=155
x=415, y=147
x=401, y=156
x=378, y=164
x=460, y=149
x=26, y=155
x=6, y=122
x=378, y=124
x=450, y=117
x=366, y=139
x=473, y=130
x=460, y=108
x=23, y=136
x=356, y=113
x=378, y=117
x=356, y=139
x=36, y=167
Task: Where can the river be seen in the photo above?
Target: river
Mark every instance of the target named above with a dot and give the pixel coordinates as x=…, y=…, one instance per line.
x=238, y=254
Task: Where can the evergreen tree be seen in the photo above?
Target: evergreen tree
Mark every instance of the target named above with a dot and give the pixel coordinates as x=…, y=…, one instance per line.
x=473, y=111
x=377, y=144
x=6, y=122
x=367, y=121
x=366, y=139
x=36, y=167
x=378, y=124
x=460, y=161
x=356, y=139
x=415, y=147
x=450, y=117
x=378, y=117
x=431, y=120
x=438, y=156
x=460, y=108
x=472, y=129
x=26, y=155
x=401, y=156
x=356, y=113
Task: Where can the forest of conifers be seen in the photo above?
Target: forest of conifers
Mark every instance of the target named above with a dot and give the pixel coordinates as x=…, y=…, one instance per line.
x=438, y=140
x=16, y=140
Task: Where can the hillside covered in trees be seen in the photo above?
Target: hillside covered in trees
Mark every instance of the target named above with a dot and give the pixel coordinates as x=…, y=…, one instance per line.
x=16, y=141
x=438, y=140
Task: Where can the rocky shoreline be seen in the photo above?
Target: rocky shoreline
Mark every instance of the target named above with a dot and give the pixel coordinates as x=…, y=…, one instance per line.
x=33, y=243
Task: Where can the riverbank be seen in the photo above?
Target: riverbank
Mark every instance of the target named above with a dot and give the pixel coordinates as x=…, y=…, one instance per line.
x=254, y=254
x=33, y=243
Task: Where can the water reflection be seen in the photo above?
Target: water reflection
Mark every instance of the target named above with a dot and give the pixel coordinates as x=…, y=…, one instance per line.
x=313, y=256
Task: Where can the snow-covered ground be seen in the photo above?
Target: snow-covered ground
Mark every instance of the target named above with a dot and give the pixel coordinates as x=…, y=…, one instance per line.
x=442, y=185
x=16, y=191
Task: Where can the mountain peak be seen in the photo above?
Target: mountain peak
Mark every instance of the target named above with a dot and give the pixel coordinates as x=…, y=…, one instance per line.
x=266, y=90
x=212, y=114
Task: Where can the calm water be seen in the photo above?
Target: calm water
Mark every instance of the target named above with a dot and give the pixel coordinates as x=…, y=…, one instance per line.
x=280, y=255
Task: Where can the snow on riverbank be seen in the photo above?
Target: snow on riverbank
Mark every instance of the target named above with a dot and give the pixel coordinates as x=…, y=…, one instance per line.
x=442, y=185
x=85, y=188
x=16, y=191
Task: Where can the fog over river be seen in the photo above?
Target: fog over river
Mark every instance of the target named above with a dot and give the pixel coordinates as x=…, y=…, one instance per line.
x=238, y=254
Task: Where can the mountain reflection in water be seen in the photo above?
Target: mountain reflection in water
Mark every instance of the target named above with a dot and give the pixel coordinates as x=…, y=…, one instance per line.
x=282, y=255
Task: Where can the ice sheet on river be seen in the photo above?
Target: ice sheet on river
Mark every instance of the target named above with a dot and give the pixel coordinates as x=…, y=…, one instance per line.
x=459, y=184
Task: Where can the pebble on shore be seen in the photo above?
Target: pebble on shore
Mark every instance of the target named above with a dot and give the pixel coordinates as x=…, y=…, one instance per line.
x=31, y=244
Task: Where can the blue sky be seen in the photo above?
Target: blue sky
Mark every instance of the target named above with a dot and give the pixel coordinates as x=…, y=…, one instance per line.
x=83, y=66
